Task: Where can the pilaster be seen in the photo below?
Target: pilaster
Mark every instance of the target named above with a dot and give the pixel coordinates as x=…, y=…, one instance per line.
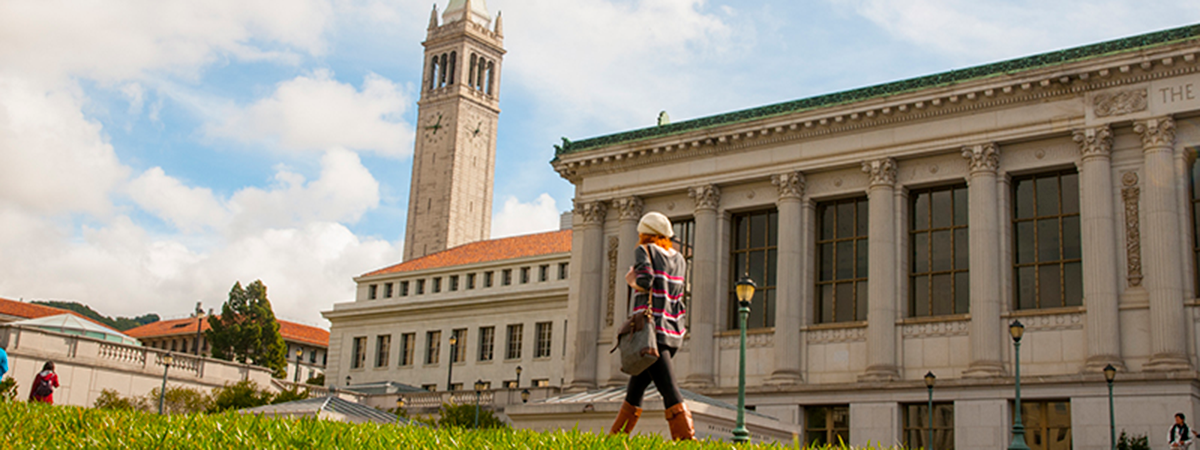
x=789, y=300
x=984, y=233
x=882, y=270
x=629, y=212
x=1100, y=275
x=704, y=286
x=586, y=318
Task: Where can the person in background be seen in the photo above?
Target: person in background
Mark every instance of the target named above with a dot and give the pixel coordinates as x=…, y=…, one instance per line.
x=44, y=384
x=1180, y=436
x=3, y=363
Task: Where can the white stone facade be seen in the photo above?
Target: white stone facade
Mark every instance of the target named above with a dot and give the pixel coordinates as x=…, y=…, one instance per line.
x=1124, y=123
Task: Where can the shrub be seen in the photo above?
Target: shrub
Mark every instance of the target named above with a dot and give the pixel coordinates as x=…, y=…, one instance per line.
x=289, y=395
x=463, y=416
x=1137, y=442
x=8, y=389
x=318, y=380
x=179, y=400
x=110, y=399
x=243, y=394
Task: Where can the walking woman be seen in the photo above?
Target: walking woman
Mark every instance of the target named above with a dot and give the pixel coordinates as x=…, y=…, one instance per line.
x=44, y=384
x=658, y=278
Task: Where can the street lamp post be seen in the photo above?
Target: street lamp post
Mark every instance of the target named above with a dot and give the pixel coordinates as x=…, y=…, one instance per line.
x=450, y=366
x=929, y=379
x=167, y=359
x=347, y=380
x=479, y=386
x=518, y=377
x=1110, y=373
x=1016, y=329
x=525, y=396
x=745, y=293
x=299, y=353
x=199, y=325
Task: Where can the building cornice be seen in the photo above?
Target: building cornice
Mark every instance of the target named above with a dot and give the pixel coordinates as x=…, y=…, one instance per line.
x=406, y=305
x=1005, y=90
x=466, y=268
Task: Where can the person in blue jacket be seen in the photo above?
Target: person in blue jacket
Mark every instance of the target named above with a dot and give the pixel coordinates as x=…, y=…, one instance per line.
x=3, y=363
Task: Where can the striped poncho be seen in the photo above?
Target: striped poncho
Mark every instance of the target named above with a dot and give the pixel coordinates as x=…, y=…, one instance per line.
x=661, y=285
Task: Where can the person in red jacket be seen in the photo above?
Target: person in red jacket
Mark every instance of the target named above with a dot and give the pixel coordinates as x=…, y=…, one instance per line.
x=44, y=384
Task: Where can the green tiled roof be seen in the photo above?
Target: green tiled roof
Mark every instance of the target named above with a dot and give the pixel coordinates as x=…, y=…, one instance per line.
x=946, y=78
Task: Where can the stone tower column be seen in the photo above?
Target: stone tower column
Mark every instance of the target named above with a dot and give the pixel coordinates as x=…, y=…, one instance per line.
x=881, y=270
x=790, y=298
x=1163, y=244
x=704, y=286
x=984, y=232
x=629, y=210
x=1100, y=276
x=586, y=317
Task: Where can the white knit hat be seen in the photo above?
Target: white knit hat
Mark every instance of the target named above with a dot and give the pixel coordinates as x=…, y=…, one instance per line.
x=656, y=223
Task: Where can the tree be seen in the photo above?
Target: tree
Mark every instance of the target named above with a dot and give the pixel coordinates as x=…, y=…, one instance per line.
x=247, y=331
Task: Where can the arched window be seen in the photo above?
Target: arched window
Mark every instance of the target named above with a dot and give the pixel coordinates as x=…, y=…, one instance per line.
x=491, y=77
x=433, y=73
x=471, y=72
x=442, y=75
x=479, y=76
x=453, y=64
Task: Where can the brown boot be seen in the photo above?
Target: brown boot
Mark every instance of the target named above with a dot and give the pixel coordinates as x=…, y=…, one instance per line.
x=680, y=421
x=626, y=419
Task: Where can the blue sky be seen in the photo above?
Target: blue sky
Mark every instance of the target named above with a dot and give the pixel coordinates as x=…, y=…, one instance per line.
x=153, y=154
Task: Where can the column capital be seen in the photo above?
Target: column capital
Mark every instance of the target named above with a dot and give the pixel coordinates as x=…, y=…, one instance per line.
x=706, y=197
x=628, y=208
x=882, y=171
x=1156, y=132
x=791, y=185
x=982, y=157
x=593, y=212
x=1093, y=142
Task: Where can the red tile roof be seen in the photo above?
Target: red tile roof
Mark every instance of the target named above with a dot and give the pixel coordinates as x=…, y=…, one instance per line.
x=486, y=251
x=291, y=331
x=34, y=311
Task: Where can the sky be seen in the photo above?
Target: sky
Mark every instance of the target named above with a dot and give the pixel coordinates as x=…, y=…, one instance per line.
x=152, y=154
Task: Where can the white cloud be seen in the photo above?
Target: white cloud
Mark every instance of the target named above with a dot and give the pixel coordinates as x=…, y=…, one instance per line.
x=517, y=218
x=188, y=208
x=316, y=112
x=343, y=193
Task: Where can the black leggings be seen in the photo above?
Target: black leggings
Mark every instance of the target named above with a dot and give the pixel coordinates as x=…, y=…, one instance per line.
x=663, y=377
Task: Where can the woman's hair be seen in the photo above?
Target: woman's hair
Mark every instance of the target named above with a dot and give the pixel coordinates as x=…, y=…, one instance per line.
x=48, y=366
x=661, y=241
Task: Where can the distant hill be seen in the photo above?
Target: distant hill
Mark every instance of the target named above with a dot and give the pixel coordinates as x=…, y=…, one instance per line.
x=120, y=323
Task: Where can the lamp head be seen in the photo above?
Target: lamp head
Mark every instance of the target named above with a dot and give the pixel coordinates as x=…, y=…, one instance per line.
x=1016, y=329
x=299, y=353
x=518, y=371
x=1110, y=373
x=745, y=290
x=525, y=396
x=453, y=340
x=168, y=359
x=479, y=386
x=347, y=380
x=400, y=401
x=929, y=379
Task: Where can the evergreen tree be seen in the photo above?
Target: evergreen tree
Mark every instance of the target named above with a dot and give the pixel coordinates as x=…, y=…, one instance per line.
x=247, y=331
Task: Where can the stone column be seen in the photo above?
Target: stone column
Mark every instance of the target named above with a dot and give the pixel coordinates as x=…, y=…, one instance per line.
x=1100, y=276
x=984, y=232
x=629, y=210
x=881, y=270
x=705, y=297
x=789, y=266
x=1163, y=242
x=586, y=318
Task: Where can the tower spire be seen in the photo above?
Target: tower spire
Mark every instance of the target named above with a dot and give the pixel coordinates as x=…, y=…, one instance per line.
x=433, y=21
x=467, y=11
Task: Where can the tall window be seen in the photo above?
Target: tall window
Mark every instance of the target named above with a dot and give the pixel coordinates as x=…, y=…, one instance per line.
x=524, y=275
x=916, y=425
x=754, y=253
x=562, y=270
x=470, y=281
x=542, y=349
x=459, y=353
x=359, y=352
x=543, y=272
x=842, y=261
x=420, y=286
x=437, y=285
x=1047, y=424
x=826, y=424
x=487, y=279
x=506, y=277
x=387, y=290
x=383, y=345
x=487, y=342
x=408, y=344
x=433, y=346
x=940, y=284
x=1049, y=271
x=403, y=288
x=685, y=241
x=453, y=282
x=372, y=291
x=514, y=341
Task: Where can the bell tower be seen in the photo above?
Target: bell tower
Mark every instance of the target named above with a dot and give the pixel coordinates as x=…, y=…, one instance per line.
x=450, y=200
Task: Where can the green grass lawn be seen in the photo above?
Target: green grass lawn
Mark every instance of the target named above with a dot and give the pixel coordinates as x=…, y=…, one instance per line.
x=31, y=426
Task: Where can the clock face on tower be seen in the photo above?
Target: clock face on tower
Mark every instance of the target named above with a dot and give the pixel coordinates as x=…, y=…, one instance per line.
x=435, y=128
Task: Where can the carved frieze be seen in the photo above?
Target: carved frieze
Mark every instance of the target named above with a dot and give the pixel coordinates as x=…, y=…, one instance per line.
x=1054, y=322
x=880, y=171
x=1130, y=193
x=1095, y=141
x=706, y=197
x=628, y=208
x=752, y=340
x=936, y=329
x=1157, y=132
x=791, y=184
x=832, y=335
x=610, y=302
x=983, y=157
x=1119, y=103
x=592, y=212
